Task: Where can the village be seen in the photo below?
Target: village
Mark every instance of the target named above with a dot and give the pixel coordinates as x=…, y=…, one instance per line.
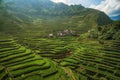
x=63, y=33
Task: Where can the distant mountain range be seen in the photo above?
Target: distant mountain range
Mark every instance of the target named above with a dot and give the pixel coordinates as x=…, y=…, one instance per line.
x=116, y=17
x=47, y=16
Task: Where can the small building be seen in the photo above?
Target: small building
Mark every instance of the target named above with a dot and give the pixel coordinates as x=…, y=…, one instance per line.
x=51, y=35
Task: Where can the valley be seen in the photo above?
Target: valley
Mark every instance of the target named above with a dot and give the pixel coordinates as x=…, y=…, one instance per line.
x=43, y=40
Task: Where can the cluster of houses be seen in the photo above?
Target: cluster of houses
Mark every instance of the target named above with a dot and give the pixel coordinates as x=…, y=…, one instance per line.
x=63, y=33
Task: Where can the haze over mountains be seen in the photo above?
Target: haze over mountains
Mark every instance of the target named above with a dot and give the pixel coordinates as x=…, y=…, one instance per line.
x=116, y=17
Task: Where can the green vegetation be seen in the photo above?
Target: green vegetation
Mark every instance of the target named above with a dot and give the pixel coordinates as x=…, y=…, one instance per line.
x=95, y=62
x=18, y=62
x=105, y=32
x=42, y=40
x=38, y=18
x=82, y=59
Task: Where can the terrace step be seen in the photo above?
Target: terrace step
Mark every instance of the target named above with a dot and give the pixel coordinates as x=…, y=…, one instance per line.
x=20, y=63
x=8, y=54
x=15, y=56
x=18, y=60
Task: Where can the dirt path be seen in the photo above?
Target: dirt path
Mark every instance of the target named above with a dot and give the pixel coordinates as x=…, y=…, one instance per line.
x=69, y=73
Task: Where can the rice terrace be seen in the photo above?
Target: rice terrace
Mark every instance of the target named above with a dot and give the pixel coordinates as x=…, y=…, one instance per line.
x=58, y=40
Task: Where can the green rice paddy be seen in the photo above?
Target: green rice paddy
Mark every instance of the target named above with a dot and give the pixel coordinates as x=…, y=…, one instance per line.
x=64, y=58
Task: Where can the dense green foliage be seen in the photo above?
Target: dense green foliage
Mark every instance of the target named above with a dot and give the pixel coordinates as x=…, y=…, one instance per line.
x=111, y=31
x=106, y=32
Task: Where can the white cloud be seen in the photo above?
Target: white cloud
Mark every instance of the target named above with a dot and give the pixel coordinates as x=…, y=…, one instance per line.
x=110, y=7
x=59, y=1
x=85, y=3
x=63, y=1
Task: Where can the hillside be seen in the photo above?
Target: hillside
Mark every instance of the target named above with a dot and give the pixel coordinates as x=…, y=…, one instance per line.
x=40, y=15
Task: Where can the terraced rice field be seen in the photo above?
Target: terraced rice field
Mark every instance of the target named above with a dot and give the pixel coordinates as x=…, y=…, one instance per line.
x=64, y=58
x=103, y=64
x=51, y=48
x=20, y=63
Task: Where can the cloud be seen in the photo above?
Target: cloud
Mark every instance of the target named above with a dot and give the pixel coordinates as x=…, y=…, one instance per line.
x=69, y=2
x=85, y=3
x=110, y=7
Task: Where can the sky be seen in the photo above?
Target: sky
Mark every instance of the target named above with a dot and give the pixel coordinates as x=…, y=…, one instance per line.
x=110, y=7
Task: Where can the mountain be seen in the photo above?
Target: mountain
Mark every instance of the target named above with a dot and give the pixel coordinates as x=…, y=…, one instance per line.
x=39, y=17
x=116, y=17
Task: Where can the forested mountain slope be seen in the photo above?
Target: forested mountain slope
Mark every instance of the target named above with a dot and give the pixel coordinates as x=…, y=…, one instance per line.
x=41, y=15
